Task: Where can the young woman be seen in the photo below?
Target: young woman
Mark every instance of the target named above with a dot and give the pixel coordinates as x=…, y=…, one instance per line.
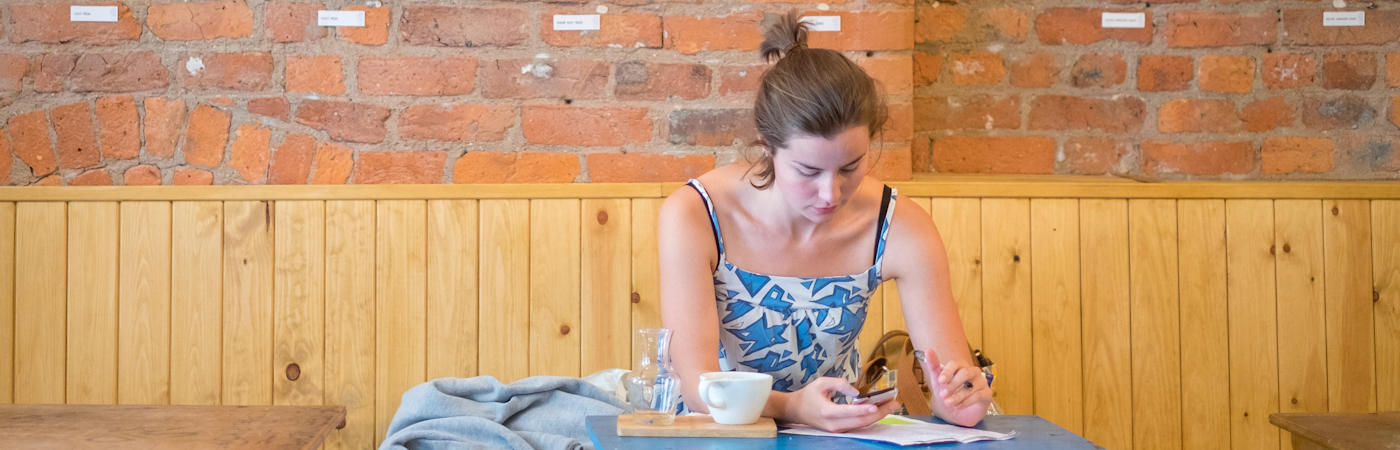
x=768, y=267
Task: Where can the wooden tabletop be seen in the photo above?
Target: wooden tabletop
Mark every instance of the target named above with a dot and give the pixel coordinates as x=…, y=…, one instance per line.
x=168, y=427
x=1342, y=430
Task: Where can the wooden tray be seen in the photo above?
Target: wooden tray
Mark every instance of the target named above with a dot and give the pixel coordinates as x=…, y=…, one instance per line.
x=697, y=426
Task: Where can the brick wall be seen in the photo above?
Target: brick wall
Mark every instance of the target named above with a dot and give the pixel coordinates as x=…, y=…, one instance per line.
x=237, y=92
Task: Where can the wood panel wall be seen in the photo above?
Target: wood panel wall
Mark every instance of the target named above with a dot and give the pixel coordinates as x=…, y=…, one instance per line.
x=1159, y=319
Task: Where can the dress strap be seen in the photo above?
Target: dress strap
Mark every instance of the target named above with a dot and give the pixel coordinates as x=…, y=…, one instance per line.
x=710, y=206
x=883, y=227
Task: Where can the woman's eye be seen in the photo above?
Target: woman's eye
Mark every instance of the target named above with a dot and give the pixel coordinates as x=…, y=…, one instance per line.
x=807, y=174
x=848, y=170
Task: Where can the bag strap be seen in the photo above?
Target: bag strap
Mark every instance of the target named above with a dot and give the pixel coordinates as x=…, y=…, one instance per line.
x=911, y=392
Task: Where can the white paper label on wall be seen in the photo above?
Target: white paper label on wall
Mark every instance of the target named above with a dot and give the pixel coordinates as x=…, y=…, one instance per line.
x=1344, y=18
x=823, y=23
x=1124, y=20
x=577, y=22
x=327, y=18
x=92, y=14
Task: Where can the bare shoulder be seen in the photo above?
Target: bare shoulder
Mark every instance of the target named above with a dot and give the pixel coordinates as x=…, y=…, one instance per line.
x=913, y=239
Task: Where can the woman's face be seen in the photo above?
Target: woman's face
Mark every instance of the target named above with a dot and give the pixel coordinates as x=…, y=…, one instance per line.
x=816, y=175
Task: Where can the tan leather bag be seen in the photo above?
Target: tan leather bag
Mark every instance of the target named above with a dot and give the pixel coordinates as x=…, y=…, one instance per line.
x=895, y=350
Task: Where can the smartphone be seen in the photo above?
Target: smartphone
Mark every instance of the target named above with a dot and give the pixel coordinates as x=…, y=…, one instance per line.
x=875, y=397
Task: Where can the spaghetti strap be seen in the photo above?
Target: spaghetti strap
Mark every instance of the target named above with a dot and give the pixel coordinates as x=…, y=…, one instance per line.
x=882, y=230
x=709, y=206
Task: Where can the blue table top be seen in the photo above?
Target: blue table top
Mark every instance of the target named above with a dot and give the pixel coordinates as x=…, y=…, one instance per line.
x=1031, y=432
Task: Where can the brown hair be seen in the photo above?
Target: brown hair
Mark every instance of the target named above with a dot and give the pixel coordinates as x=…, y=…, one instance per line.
x=809, y=90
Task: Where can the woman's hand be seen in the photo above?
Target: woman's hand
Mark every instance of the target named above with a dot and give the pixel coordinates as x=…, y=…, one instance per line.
x=812, y=406
x=960, y=392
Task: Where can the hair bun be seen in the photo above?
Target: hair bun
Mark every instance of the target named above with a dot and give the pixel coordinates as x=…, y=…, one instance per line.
x=782, y=37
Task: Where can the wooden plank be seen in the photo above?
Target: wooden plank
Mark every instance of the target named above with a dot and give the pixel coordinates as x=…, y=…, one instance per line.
x=350, y=320
x=605, y=303
x=504, y=265
x=646, y=266
x=1351, y=358
x=143, y=368
x=554, y=287
x=1096, y=187
x=166, y=427
x=1385, y=242
x=1156, y=330
x=41, y=241
x=1105, y=331
x=959, y=222
x=247, y=353
x=298, y=303
x=1205, y=396
x=196, y=302
x=400, y=290
x=1055, y=331
x=92, y=302
x=336, y=192
x=1302, y=312
x=452, y=288
x=1006, y=301
x=1249, y=233
x=7, y=302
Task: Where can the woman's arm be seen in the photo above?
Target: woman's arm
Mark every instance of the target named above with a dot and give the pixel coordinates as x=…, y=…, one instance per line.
x=917, y=260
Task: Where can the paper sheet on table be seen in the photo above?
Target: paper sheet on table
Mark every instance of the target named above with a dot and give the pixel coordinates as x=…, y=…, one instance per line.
x=905, y=431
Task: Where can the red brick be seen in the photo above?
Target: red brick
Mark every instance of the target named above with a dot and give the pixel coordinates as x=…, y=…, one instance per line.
x=1284, y=155
x=1395, y=111
x=1058, y=112
x=51, y=180
x=274, y=107
x=143, y=175
x=93, y=177
x=899, y=126
x=319, y=74
x=1001, y=23
x=487, y=167
x=164, y=120
x=1347, y=112
x=1158, y=73
x=588, y=127
x=291, y=164
x=460, y=122
x=250, y=153
x=1392, y=69
x=1082, y=26
x=1199, y=158
x=1214, y=29
x=1098, y=70
x=293, y=22
x=614, y=31
x=120, y=127
x=447, y=26
x=234, y=71
x=867, y=30
x=637, y=80
x=32, y=144
x=1090, y=155
x=895, y=73
x=7, y=159
x=1360, y=155
x=77, y=140
x=1197, y=116
x=977, y=68
x=199, y=21
x=375, y=31
x=690, y=35
x=972, y=112
x=921, y=154
x=892, y=164
x=222, y=100
x=206, y=136
x=1033, y=70
x=345, y=121
x=109, y=72
x=333, y=164
x=928, y=65
x=948, y=23
x=1355, y=71
x=712, y=127
x=1267, y=114
x=529, y=79
x=987, y=154
x=417, y=76
x=939, y=23
x=1227, y=73
x=740, y=80
x=645, y=167
x=1304, y=27
x=404, y=167
x=192, y=177
x=1287, y=71
x=49, y=23
x=13, y=68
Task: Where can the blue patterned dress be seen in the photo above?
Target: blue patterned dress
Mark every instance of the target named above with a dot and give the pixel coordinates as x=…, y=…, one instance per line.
x=794, y=328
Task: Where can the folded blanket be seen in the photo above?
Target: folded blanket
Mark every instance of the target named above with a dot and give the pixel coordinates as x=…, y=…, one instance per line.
x=541, y=412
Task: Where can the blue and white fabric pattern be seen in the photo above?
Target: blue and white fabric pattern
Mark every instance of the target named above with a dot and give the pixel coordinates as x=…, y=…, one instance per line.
x=794, y=328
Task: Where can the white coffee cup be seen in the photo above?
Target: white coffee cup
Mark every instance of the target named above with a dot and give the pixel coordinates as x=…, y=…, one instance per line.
x=735, y=398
